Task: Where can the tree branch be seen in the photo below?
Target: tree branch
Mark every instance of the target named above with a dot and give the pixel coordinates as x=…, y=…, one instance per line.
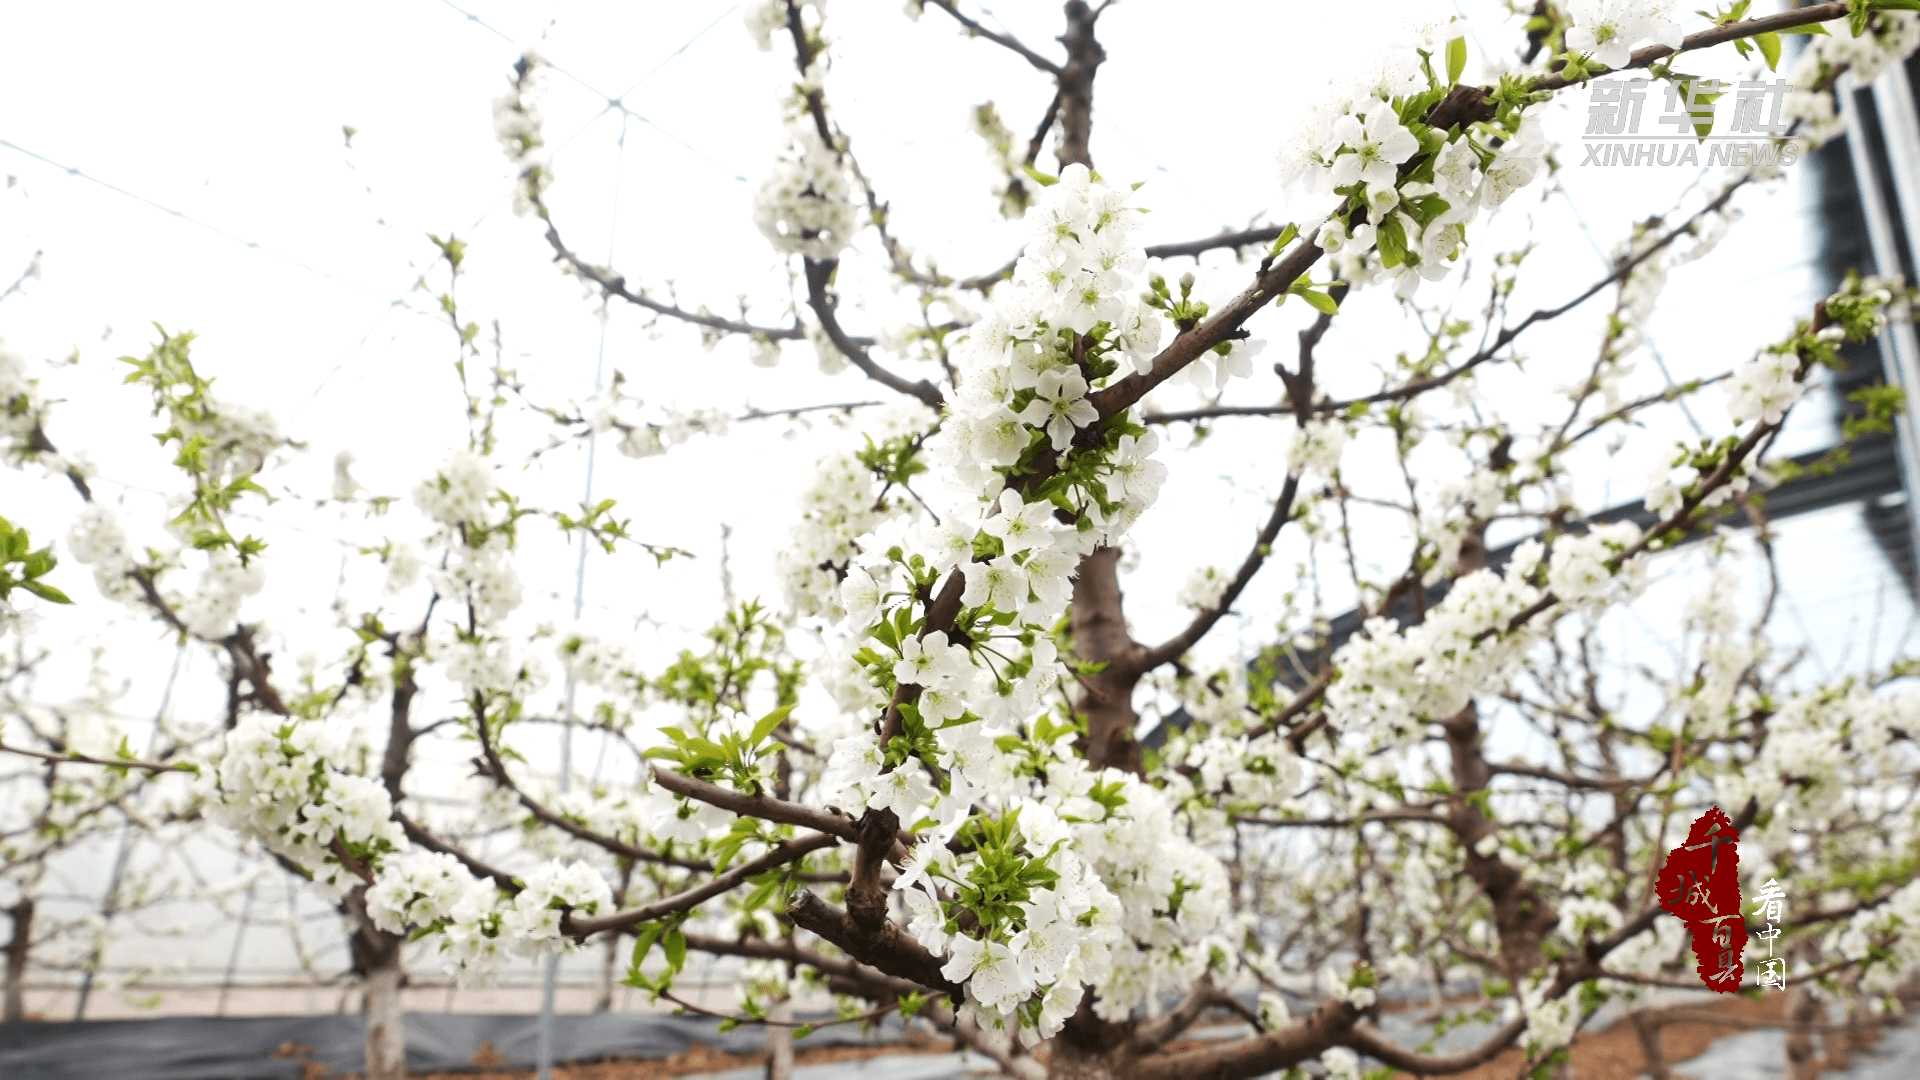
x=757, y=806
x=1705, y=39
x=1328, y=1026
x=819, y=272
x=887, y=948
x=1005, y=41
x=1371, y=1042
x=581, y=928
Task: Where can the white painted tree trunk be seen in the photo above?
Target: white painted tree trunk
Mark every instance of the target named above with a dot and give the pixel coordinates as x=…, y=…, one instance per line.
x=386, y=1024
x=780, y=1041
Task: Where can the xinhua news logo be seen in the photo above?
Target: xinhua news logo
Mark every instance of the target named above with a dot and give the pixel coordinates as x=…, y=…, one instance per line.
x=1754, y=135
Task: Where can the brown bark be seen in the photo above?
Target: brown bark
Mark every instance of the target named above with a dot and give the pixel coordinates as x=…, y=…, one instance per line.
x=1649, y=1036
x=1803, y=1057
x=1084, y=56
x=887, y=947
x=1323, y=1029
x=18, y=947
x=1100, y=636
x=1522, y=917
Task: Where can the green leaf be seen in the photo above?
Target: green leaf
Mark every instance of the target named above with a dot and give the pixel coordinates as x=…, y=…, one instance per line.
x=1321, y=302
x=1810, y=28
x=1043, y=179
x=1456, y=59
x=45, y=592
x=1769, y=48
x=1287, y=236
x=1391, y=237
x=676, y=949
x=803, y=1031
x=644, y=943
x=767, y=723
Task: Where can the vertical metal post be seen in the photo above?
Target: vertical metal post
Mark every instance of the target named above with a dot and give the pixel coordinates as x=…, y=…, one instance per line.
x=1899, y=348
x=233, y=958
x=550, y=979
x=110, y=903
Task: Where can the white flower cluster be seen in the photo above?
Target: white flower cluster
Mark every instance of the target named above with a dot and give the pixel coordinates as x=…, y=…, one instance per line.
x=21, y=409
x=1018, y=373
x=459, y=492
x=766, y=18
x=1891, y=36
x=589, y=661
x=1317, y=447
x=1821, y=747
x=485, y=577
x=1391, y=679
x=1130, y=913
x=484, y=666
x=643, y=438
x=1607, y=30
x=478, y=927
x=805, y=205
x=836, y=510
x=1577, y=569
x=1204, y=588
x=1341, y=1063
x=516, y=123
x=237, y=438
x=1239, y=769
x=97, y=540
x=1356, y=143
x=276, y=781
x=1130, y=902
x=1550, y=1022
x=1764, y=388
x=479, y=568
x=212, y=606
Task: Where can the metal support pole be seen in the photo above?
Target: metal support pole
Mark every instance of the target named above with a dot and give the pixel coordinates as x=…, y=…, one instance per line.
x=1899, y=349
x=550, y=979
x=110, y=903
x=233, y=958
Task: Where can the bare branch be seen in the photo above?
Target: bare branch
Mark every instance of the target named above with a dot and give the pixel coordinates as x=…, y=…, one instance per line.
x=819, y=273
x=789, y=851
x=74, y=757
x=1175, y=646
x=1326, y=1027
x=1006, y=41
x=1371, y=1042
x=419, y=835
x=757, y=806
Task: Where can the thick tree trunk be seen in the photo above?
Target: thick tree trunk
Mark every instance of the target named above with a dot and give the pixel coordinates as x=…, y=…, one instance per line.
x=1522, y=917
x=1084, y=56
x=1803, y=1057
x=1649, y=1035
x=386, y=1024
x=376, y=956
x=18, y=948
x=780, y=1041
x=1100, y=636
